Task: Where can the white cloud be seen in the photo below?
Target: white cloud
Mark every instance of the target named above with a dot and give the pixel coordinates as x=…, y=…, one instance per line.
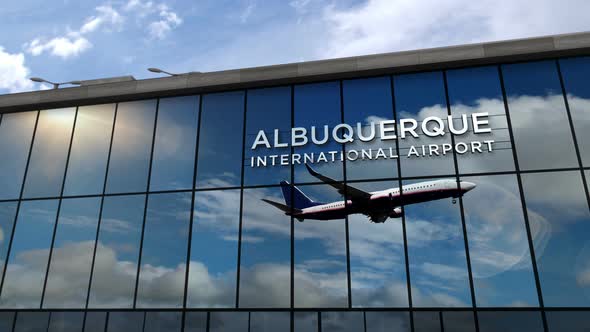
x=74, y=43
x=107, y=15
x=247, y=12
x=168, y=20
x=13, y=72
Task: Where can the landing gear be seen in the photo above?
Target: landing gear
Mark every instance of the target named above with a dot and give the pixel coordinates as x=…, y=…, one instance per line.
x=300, y=220
x=454, y=200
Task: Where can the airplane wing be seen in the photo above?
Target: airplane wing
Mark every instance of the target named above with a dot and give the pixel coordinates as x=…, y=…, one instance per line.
x=352, y=193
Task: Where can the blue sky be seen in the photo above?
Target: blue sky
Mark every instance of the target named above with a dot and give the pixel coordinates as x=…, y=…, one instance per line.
x=72, y=40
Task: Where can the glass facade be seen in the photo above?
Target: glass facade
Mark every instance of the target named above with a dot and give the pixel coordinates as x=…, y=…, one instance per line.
x=154, y=215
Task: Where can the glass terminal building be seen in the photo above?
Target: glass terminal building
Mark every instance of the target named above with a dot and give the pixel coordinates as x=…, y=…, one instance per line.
x=137, y=205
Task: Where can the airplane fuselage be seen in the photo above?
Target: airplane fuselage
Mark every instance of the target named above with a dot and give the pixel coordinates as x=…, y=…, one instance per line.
x=387, y=203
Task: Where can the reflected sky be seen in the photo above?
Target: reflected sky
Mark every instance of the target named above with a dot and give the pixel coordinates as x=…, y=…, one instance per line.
x=117, y=252
x=499, y=251
x=418, y=96
x=7, y=217
x=50, y=150
x=195, y=322
x=564, y=264
x=575, y=73
x=320, y=256
x=31, y=321
x=436, y=254
x=493, y=321
x=131, y=147
x=163, y=256
x=342, y=321
x=61, y=321
x=269, y=321
x=174, y=147
x=305, y=321
x=318, y=105
x=16, y=132
x=265, y=274
x=228, y=322
x=267, y=109
x=538, y=114
x=27, y=264
x=214, y=249
x=126, y=322
x=90, y=148
x=387, y=321
x=369, y=100
x=477, y=90
x=220, y=140
x=71, y=259
x=377, y=262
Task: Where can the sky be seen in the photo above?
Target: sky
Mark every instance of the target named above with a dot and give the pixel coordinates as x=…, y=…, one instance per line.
x=79, y=40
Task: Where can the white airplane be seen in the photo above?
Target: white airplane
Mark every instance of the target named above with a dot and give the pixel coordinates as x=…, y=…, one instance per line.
x=377, y=205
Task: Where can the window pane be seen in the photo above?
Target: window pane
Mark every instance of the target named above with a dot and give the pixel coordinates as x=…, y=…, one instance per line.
x=195, y=322
x=270, y=321
x=320, y=256
x=305, y=321
x=31, y=321
x=228, y=322
x=16, y=132
x=266, y=251
x=66, y=322
x=117, y=251
x=560, y=221
x=50, y=150
x=126, y=322
x=163, y=321
x=163, y=256
x=493, y=321
x=575, y=73
x=214, y=249
x=477, y=90
x=220, y=140
x=27, y=264
x=90, y=149
x=342, y=321
x=377, y=279
x=71, y=259
x=387, y=321
x=132, y=144
x=418, y=96
x=535, y=101
x=7, y=216
x=6, y=321
x=572, y=321
x=459, y=321
x=426, y=321
x=368, y=101
x=268, y=109
x=174, y=148
x=436, y=251
x=498, y=244
x=95, y=321
x=318, y=105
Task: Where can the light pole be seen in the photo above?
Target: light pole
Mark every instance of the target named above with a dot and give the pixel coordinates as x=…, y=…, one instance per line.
x=160, y=71
x=55, y=85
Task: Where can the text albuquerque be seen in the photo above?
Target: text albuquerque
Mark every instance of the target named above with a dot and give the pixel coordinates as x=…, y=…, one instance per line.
x=385, y=130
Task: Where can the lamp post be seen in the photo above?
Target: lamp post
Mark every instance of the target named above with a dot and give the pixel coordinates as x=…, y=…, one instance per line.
x=160, y=71
x=55, y=84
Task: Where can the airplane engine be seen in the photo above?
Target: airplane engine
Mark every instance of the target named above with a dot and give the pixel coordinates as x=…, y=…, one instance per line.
x=396, y=213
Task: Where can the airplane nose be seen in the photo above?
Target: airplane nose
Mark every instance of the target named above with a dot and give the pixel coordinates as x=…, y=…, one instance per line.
x=467, y=185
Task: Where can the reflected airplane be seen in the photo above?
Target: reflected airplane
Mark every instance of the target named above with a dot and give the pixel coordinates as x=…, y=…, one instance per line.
x=377, y=205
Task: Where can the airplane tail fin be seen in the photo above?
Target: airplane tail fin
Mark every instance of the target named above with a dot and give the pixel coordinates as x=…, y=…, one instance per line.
x=299, y=199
